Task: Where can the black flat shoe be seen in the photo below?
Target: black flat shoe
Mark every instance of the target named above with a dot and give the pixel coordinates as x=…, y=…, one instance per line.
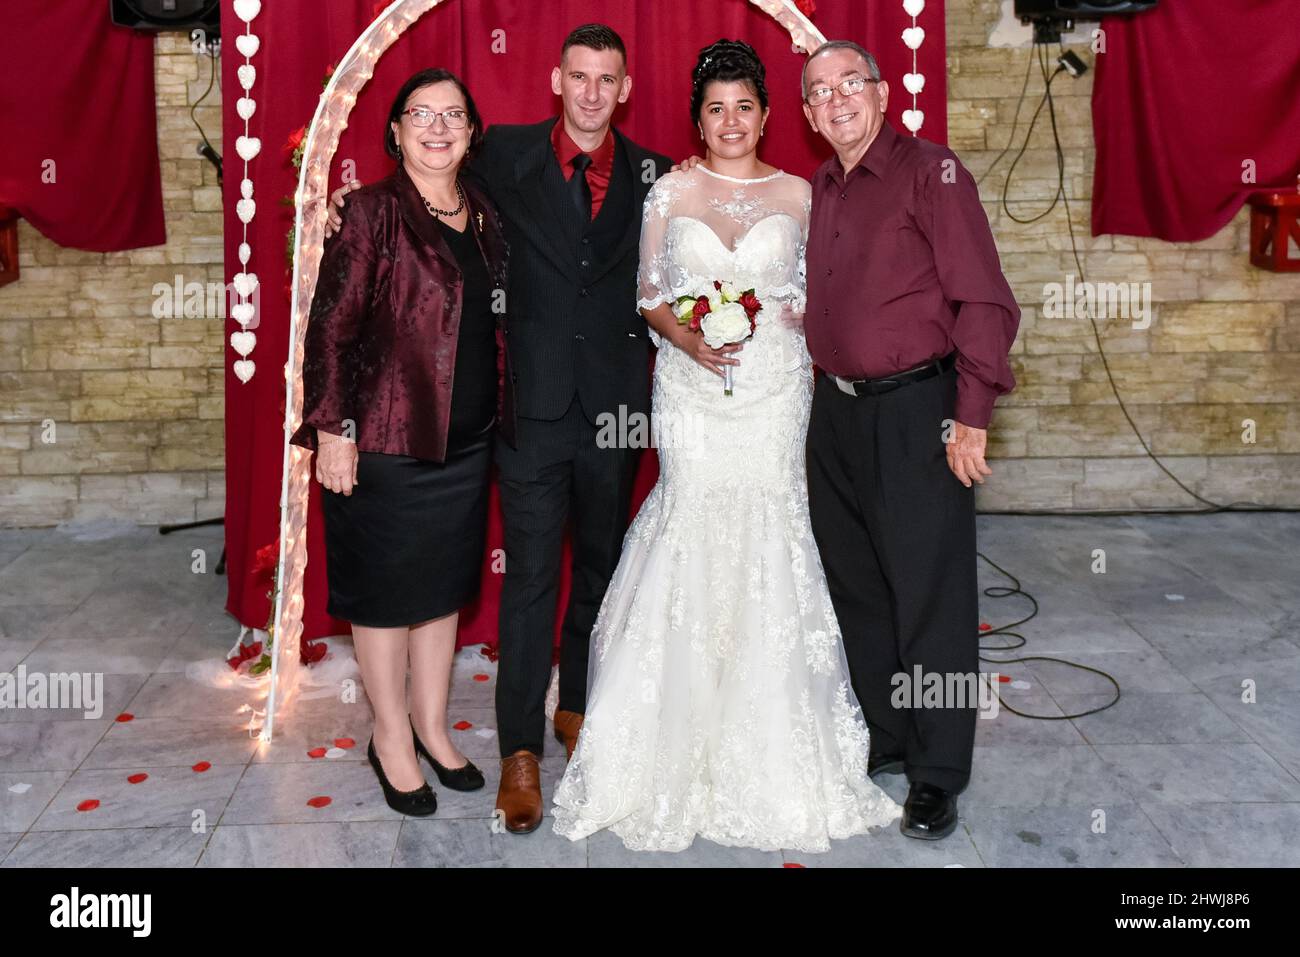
x=930, y=812
x=464, y=778
x=418, y=803
x=884, y=764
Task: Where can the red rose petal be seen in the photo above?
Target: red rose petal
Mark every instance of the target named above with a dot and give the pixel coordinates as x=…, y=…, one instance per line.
x=88, y=805
x=1004, y=678
x=201, y=767
x=462, y=725
x=480, y=677
x=985, y=626
x=800, y=866
x=344, y=743
x=137, y=778
x=316, y=753
x=319, y=801
x=126, y=716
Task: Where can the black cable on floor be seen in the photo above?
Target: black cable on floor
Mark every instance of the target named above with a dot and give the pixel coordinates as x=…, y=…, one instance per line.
x=999, y=591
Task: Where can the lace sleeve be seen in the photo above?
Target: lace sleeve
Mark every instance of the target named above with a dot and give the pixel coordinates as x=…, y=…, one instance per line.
x=653, y=287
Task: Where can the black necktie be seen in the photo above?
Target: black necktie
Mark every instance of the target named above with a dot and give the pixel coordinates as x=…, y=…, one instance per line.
x=579, y=188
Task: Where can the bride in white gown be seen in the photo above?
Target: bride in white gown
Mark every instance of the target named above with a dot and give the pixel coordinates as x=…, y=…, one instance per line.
x=719, y=701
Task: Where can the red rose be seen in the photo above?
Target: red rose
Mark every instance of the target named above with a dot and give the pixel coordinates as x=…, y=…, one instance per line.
x=266, y=560
x=311, y=652
x=750, y=303
x=295, y=139
x=701, y=308
x=806, y=7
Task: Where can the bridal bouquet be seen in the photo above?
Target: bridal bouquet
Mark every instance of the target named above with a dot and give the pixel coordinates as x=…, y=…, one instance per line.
x=724, y=316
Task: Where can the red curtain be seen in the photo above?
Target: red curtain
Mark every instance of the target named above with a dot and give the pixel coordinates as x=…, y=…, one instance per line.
x=300, y=39
x=78, y=126
x=1190, y=99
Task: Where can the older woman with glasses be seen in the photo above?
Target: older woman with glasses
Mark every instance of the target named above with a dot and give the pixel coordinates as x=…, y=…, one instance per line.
x=405, y=377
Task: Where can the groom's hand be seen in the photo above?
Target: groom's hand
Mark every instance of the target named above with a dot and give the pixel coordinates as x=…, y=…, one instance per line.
x=334, y=219
x=966, y=454
x=690, y=162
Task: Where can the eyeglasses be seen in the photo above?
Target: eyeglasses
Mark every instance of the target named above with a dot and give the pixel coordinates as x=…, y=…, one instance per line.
x=849, y=87
x=454, y=119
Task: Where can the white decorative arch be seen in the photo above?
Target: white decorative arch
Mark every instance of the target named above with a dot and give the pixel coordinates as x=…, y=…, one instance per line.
x=328, y=124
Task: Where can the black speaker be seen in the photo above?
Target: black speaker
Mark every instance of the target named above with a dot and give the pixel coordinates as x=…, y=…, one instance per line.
x=163, y=15
x=1079, y=9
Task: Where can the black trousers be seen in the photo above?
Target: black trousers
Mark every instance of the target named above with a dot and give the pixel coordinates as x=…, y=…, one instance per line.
x=557, y=474
x=896, y=532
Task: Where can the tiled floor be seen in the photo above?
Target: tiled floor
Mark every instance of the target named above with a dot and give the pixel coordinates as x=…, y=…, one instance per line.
x=1190, y=612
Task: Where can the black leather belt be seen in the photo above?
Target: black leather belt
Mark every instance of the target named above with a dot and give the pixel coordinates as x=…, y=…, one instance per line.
x=899, y=379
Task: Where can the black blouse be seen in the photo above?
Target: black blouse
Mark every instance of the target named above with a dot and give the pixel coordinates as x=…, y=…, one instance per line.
x=474, y=387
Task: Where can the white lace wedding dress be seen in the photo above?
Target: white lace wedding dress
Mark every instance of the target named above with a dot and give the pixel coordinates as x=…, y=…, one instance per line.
x=719, y=702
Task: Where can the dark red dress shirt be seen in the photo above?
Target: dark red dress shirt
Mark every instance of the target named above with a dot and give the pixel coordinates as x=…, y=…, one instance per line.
x=600, y=170
x=902, y=269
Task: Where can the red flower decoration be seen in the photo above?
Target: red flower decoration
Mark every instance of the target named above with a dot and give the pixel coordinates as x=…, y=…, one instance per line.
x=124, y=717
x=88, y=805
x=489, y=652
x=266, y=560
x=245, y=653
x=137, y=778
x=321, y=801
x=295, y=139
x=201, y=767
x=806, y=7
x=311, y=652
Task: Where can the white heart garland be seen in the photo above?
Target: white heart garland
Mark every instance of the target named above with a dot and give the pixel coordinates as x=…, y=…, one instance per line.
x=248, y=147
x=914, y=82
x=242, y=342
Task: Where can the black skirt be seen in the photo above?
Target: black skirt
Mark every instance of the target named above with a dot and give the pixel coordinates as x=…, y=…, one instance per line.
x=407, y=544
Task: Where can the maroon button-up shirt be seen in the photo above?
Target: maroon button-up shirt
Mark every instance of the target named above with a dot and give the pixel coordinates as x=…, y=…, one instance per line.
x=902, y=269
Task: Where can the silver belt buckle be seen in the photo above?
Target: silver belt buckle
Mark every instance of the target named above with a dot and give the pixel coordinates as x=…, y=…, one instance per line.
x=845, y=385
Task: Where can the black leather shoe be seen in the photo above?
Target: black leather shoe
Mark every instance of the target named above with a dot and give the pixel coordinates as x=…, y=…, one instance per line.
x=930, y=812
x=418, y=803
x=464, y=778
x=884, y=764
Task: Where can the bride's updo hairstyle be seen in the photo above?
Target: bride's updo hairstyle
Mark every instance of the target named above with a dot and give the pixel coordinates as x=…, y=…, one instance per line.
x=727, y=61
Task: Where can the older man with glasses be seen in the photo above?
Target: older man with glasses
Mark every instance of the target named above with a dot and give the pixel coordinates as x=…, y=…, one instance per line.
x=911, y=319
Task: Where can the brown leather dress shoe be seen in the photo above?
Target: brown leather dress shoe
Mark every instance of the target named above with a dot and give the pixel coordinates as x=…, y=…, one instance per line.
x=519, y=799
x=567, y=726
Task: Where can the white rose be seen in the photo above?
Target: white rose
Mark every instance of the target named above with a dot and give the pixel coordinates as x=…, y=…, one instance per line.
x=729, y=292
x=725, y=324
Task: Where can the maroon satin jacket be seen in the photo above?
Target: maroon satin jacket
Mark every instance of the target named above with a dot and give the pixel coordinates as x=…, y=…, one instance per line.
x=381, y=337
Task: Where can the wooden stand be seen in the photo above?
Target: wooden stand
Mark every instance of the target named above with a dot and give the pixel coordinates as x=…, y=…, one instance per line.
x=1274, y=219
x=8, y=245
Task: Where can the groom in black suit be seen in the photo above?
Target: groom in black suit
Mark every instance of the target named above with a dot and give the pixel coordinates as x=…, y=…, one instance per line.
x=571, y=190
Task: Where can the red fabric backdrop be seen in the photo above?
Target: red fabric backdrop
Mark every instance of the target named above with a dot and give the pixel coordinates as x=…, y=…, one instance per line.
x=1184, y=95
x=78, y=92
x=300, y=39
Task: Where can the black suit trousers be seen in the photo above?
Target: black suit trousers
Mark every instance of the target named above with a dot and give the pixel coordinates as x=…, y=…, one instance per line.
x=556, y=476
x=896, y=533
